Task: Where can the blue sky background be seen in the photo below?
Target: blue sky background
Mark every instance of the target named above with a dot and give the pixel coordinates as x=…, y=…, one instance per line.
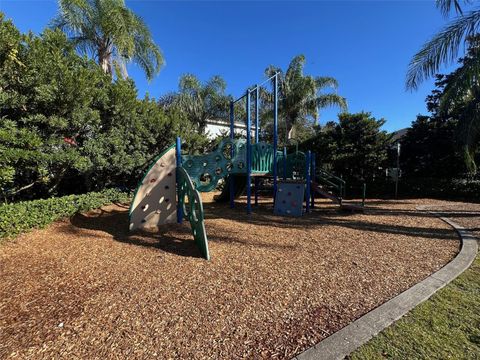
x=366, y=45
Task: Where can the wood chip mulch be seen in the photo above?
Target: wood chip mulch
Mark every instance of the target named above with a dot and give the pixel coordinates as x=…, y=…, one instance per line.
x=87, y=288
x=464, y=214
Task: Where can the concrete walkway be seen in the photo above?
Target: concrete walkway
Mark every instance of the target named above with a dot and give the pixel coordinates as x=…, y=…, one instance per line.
x=352, y=336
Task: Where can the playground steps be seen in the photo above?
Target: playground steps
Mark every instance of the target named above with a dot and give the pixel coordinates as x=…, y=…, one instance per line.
x=260, y=174
x=324, y=193
x=346, y=206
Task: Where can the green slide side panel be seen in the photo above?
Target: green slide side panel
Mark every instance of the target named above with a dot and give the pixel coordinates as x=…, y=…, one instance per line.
x=240, y=183
x=190, y=201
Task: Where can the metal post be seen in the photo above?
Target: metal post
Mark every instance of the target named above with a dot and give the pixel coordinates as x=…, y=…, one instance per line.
x=398, y=170
x=232, y=137
x=249, y=156
x=257, y=129
x=284, y=163
x=364, y=193
x=341, y=193
x=178, y=155
x=313, y=170
x=257, y=117
x=307, y=178
x=275, y=125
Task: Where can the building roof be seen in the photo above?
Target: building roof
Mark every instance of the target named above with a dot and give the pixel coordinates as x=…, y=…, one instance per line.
x=397, y=135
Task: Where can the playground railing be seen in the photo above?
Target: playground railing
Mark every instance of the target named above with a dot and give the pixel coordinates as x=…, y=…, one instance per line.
x=337, y=183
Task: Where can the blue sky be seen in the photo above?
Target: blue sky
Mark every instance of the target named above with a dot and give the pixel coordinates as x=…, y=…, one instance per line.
x=366, y=45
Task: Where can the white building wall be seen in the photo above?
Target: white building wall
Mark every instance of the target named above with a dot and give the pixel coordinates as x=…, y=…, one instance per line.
x=216, y=128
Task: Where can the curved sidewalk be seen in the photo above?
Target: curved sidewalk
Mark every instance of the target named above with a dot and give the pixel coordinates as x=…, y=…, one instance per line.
x=357, y=333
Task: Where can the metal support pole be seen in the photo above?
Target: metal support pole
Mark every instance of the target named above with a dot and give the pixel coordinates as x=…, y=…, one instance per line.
x=232, y=137
x=313, y=170
x=284, y=163
x=257, y=116
x=275, y=126
x=249, y=156
x=178, y=155
x=256, y=182
x=307, y=178
x=364, y=193
x=257, y=129
x=398, y=170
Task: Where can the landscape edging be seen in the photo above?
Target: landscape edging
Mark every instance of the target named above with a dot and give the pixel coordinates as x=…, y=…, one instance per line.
x=346, y=340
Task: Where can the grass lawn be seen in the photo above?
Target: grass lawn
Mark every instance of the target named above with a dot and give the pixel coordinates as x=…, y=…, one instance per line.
x=447, y=326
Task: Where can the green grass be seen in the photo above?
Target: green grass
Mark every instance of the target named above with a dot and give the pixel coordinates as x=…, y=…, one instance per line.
x=447, y=326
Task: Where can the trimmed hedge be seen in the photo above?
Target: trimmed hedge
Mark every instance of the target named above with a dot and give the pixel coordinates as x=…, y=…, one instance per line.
x=19, y=217
x=447, y=189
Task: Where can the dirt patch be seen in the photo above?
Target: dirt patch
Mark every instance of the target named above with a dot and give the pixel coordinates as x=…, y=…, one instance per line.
x=87, y=288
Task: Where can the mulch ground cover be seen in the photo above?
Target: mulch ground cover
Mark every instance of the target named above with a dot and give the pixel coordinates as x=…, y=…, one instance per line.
x=464, y=214
x=87, y=288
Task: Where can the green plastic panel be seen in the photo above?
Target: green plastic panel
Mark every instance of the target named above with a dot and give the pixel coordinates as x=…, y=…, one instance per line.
x=295, y=165
x=262, y=158
x=207, y=170
x=190, y=201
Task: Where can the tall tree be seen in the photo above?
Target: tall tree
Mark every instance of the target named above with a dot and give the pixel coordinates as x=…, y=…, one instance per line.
x=460, y=100
x=301, y=96
x=355, y=147
x=111, y=33
x=66, y=127
x=462, y=86
x=199, y=101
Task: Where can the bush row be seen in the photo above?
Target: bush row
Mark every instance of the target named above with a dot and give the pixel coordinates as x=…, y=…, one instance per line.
x=448, y=189
x=19, y=217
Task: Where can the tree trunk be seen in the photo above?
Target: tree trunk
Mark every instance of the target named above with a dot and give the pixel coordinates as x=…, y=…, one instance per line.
x=289, y=129
x=105, y=59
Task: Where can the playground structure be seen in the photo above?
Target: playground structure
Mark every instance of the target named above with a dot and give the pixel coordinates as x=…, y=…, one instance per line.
x=170, y=189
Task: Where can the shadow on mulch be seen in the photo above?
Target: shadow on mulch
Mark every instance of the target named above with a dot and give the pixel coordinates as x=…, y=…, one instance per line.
x=115, y=223
x=331, y=216
x=172, y=238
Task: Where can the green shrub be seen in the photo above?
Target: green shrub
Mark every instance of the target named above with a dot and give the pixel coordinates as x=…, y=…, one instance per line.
x=447, y=189
x=26, y=215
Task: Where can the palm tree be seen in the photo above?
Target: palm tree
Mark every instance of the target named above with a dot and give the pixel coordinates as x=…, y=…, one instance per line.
x=199, y=101
x=111, y=33
x=443, y=48
x=463, y=84
x=460, y=100
x=300, y=96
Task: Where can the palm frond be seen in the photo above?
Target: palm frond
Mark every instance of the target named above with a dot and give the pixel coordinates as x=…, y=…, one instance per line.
x=441, y=49
x=326, y=81
x=462, y=84
x=116, y=35
x=445, y=6
x=326, y=100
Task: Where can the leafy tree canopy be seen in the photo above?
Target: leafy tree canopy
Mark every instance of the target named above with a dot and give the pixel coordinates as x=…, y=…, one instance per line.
x=355, y=147
x=65, y=126
x=110, y=32
x=301, y=96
